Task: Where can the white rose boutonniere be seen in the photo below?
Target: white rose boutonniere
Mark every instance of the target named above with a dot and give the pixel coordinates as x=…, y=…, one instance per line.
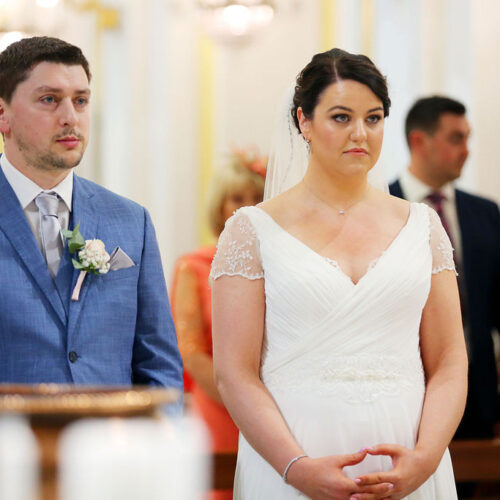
x=91, y=257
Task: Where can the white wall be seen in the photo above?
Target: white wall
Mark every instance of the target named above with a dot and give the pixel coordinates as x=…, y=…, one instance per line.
x=485, y=76
x=252, y=77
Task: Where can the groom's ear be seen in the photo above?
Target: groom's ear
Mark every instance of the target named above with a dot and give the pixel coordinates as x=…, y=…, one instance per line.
x=4, y=119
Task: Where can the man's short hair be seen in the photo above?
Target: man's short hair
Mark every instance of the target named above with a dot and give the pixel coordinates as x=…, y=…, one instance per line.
x=19, y=58
x=425, y=113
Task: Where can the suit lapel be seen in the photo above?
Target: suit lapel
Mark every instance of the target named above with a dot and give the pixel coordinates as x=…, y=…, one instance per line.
x=395, y=189
x=85, y=213
x=64, y=277
x=15, y=226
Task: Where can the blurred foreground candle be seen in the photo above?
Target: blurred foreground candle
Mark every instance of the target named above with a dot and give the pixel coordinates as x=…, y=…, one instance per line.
x=118, y=459
x=18, y=459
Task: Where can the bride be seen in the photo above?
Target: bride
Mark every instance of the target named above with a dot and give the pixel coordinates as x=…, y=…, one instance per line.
x=338, y=345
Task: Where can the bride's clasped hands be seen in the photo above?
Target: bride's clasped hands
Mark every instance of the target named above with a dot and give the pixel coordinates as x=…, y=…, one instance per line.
x=323, y=478
x=411, y=468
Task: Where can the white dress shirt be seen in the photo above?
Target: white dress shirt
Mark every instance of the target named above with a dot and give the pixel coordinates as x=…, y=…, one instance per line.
x=417, y=191
x=26, y=191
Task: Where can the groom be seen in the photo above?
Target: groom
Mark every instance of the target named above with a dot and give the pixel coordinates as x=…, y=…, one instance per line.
x=120, y=329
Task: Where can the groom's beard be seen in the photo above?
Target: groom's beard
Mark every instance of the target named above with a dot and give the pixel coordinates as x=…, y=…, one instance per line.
x=51, y=160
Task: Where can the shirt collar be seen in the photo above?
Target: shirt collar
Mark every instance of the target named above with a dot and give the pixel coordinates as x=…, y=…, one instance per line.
x=26, y=190
x=416, y=190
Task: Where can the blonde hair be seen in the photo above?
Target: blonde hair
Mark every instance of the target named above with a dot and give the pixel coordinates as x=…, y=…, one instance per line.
x=235, y=175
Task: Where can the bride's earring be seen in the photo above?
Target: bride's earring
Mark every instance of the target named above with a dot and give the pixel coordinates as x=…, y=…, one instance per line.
x=308, y=144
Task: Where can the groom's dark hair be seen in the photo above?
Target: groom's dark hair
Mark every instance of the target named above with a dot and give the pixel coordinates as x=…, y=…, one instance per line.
x=19, y=58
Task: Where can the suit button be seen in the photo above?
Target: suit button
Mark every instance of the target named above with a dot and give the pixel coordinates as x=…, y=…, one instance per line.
x=73, y=356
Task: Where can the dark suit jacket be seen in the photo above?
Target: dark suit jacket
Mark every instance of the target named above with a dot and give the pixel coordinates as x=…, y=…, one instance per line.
x=119, y=332
x=479, y=221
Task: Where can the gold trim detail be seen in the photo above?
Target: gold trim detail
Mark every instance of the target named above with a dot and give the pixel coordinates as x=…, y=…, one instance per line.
x=206, y=138
x=328, y=10
x=47, y=399
x=367, y=20
x=108, y=18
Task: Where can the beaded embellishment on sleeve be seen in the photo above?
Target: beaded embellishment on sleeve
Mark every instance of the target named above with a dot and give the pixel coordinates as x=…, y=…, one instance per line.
x=442, y=251
x=237, y=250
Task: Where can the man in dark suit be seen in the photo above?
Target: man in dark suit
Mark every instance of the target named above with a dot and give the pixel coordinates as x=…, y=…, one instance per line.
x=437, y=132
x=111, y=327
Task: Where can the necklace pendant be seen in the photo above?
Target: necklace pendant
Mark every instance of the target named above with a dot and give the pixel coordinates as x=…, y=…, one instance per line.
x=341, y=212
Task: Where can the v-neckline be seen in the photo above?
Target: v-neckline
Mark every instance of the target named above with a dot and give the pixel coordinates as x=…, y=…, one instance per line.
x=333, y=263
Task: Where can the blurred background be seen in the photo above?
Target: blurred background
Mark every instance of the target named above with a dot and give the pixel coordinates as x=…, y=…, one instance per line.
x=177, y=83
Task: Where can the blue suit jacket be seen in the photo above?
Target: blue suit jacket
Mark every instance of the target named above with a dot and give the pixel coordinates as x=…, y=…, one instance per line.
x=121, y=329
x=479, y=221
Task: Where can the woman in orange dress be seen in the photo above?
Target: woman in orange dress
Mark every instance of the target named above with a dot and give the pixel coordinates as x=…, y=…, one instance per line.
x=240, y=183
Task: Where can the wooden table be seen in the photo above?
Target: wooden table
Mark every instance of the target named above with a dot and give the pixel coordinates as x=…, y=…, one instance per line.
x=224, y=465
x=476, y=460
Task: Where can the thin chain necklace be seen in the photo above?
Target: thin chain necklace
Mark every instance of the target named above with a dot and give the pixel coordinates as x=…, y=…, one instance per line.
x=340, y=211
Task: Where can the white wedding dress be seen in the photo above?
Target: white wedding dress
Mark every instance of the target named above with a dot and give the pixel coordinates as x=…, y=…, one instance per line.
x=341, y=360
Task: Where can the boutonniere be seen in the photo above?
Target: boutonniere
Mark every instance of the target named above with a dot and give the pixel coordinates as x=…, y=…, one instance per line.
x=91, y=257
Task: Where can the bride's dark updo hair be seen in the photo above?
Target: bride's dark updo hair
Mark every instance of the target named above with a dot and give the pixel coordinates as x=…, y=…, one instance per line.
x=330, y=67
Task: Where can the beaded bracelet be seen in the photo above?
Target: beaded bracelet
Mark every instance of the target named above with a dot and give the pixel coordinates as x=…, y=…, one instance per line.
x=292, y=461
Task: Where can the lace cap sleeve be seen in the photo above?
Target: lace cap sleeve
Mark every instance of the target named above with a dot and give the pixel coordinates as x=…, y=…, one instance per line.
x=442, y=251
x=237, y=250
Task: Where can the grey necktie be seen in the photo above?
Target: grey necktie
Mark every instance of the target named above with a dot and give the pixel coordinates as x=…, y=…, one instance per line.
x=50, y=230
